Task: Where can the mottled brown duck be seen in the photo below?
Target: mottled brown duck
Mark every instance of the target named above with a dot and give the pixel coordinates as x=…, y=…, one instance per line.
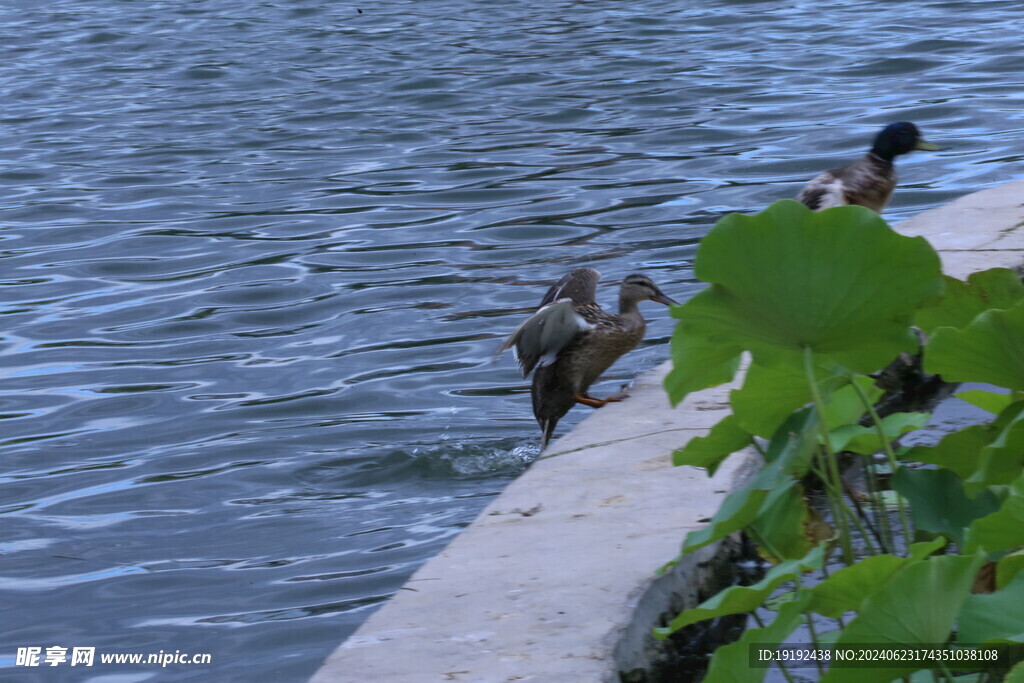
x=571, y=340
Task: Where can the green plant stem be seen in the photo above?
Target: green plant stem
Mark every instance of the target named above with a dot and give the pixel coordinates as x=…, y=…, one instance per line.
x=837, y=505
x=760, y=540
x=860, y=518
x=833, y=486
x=819, y=471
x=810, y=627
x=877, y=421
x=878, y=505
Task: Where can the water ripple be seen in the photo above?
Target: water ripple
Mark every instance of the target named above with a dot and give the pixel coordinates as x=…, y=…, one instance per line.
x=257, y=259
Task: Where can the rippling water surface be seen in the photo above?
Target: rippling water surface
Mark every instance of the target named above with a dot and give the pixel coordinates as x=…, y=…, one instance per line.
x=257, y=257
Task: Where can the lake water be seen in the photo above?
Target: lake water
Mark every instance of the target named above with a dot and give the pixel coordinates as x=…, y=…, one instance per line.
x=257, y=257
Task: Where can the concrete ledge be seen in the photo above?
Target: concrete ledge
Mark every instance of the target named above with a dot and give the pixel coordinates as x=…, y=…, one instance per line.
x=555, y=580
x=975, y=232
x=549, y=580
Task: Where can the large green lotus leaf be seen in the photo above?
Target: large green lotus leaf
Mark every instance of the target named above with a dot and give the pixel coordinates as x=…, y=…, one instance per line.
x=959, y=451
x=994, y=618
x=697, y=363
x=1015, y=675
x=738, y=599
x=1003, y=529
x=844, y=406
x=990, y=349
x=739, y=509
x=962, y=301
x=839, y=281
x=788, y=458
x=770, y=393
x=782, y=528
x=794, y=443
x=918, y=605
x=919, y=551
x=865, y=440
x=1002, y=460
x=980, y=454
x=731, y=663
x=724, y=439
x=1008, y=568
x=848, y=587
x=990, y=401
x=938, y=503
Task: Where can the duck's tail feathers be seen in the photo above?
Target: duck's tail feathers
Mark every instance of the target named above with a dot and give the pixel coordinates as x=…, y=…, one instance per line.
x=547, y=428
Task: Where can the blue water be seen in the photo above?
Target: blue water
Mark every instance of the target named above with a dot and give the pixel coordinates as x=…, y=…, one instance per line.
x=257, y=257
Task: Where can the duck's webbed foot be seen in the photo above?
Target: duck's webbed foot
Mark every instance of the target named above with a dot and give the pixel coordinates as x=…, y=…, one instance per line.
x=598, y=402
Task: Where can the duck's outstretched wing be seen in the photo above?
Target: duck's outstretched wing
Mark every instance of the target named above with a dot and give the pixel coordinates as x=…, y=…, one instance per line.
x=579, y=285
x=545, y=333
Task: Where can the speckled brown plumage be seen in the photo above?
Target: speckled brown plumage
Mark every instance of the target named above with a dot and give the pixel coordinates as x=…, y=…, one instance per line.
x=868, y=182
x=595, y=341
x=581, y=362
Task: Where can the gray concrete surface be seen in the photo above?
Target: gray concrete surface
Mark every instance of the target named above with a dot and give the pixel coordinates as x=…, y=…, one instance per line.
x=545, y=584
x=555, y=581
x=977, y=231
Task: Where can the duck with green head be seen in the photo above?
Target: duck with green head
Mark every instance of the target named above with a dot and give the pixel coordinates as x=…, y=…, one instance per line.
x=571, y=340
x=870, y=180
